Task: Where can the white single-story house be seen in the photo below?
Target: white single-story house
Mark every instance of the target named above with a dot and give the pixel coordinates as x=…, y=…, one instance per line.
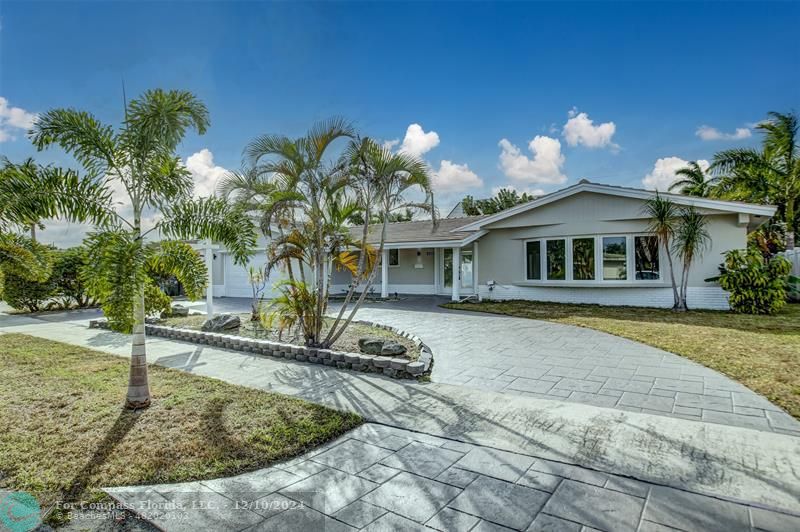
x=587, y=243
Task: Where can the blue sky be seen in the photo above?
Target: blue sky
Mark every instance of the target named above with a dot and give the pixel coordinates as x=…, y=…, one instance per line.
x=613, y=91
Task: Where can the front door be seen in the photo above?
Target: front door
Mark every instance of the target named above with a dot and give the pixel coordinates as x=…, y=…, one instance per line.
x=463, y=270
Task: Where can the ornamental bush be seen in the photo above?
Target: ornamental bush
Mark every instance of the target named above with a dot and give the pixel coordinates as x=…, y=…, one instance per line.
x=27, y=292
x=66, y=276
x=757, y=285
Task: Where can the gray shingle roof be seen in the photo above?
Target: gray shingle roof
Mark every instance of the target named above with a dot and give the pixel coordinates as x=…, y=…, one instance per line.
x=418, y=231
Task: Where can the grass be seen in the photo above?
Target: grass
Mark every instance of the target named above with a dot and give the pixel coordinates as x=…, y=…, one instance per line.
x=761, y=352
x=64, y=433
x=348, y=341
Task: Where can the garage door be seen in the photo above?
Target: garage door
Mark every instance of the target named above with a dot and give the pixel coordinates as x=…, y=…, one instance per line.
x=237, y=283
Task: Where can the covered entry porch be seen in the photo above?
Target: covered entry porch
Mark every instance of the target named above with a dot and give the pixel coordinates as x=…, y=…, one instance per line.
x=441, y=270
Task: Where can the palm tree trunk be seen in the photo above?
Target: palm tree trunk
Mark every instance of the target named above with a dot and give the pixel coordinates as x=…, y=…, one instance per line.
x=369, y=280
x=355, y=282
x=33, y=232
x=675, y=295
x=138, y=386
x=790, y=223
x=684, y=282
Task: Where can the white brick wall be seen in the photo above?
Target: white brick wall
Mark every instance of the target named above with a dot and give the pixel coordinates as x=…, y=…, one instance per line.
x=712, y=297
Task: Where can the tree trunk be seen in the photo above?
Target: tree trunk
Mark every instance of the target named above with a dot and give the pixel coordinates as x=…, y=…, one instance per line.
x=33, y=232
x=362, y=261
x=369, y=279
x=675, y=295
x=790, y=223
x=138, y=387
x=681, y=307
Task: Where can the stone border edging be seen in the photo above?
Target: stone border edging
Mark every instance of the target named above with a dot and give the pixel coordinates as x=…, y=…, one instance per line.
x=398, y=368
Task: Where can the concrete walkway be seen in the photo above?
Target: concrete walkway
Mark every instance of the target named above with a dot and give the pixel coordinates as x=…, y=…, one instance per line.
x=379, y=478
x=731, y=463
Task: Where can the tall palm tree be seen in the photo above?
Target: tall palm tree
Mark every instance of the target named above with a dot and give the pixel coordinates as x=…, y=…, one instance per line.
x=304, y=177
x=768, y=175
x=663, y=214
x=694, y=181
x=140, y=155
x=381, y=179
x=691, y=240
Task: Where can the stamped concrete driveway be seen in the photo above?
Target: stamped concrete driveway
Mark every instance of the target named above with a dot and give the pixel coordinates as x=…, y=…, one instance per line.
x=378, y=478
x=562, y=362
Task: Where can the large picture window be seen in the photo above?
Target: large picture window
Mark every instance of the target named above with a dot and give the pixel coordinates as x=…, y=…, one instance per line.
x=615, y=258
x=556, y=260
x=646, y=258
x=533, y=260
x=583, y=259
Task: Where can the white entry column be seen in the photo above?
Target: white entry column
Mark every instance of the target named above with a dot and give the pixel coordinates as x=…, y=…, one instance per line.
x=456, y=273
x=385, y=273
x=476, y=286
x=209, y=255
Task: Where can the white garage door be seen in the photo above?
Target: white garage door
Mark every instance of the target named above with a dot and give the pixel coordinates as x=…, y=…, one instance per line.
x=237, y=283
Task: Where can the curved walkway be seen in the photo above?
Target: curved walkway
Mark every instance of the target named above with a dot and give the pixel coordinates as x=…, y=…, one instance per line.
x=562, y=362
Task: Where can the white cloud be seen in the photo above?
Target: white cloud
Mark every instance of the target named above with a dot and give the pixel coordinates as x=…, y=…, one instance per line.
x=204, y=172
x=417, y=142
x=580, y=129
x=390, y=144
x=13, y=118
x=663, y=173
x=712, y=133
x=519, y=190
x=452, y=177
x=544, y=167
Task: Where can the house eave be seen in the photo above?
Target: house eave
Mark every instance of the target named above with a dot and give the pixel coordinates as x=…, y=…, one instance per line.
x=720, y=205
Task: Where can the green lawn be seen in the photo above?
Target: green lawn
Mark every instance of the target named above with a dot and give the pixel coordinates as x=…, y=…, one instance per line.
x=761, y=352
x=64, y=433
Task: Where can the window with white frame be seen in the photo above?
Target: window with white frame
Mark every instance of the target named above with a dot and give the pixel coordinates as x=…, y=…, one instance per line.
x=583, y=265
x=596, y=258
x=615, y=258
x=394, y=257
x=645, y=252
x=556, y=254
x=533, y=260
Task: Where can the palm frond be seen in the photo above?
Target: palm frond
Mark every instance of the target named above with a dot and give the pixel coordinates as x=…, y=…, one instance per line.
x=211, y=218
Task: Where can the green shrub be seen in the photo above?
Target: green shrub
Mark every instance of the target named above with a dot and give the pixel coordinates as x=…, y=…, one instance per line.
x=69, y=284
x=757, y=285
x=24, y=291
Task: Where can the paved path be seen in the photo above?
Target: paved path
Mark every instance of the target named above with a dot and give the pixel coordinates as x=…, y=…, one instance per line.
x=732, y=463
x=379, y=478
x=560, y=362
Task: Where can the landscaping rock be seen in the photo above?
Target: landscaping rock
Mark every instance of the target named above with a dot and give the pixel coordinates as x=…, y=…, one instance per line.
x=179, y=311
x=415, y=368
x=370, y=346
x=392, y=349
x=223, y=322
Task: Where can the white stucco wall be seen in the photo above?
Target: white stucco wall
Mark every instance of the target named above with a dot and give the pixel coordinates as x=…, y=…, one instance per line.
x=502, y=254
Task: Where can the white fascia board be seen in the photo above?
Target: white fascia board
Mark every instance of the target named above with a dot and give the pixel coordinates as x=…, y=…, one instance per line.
x=435, y=243
x=720, y=205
